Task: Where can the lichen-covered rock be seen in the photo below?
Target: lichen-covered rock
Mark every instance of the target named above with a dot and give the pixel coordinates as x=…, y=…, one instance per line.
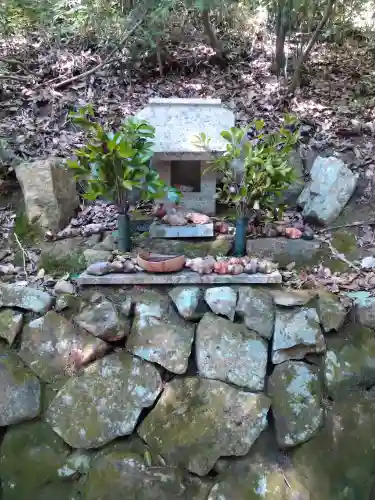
x=297, y=333
x=25, y=297
x=255, y=305
x=19, y=390
x=116, y=475
x=222, y=300
x=331, y=311
x=10, y=324
x=264, y=473
x=159, y=334
x=339, y=463
x=198, y=420
x=331, y=187
x=95, y=256
x=63, y=286
x=291, y=298
x=103, y=321
x=49, y=191
x=77, y=463
x=30, y=457
x=230, y=352
x=295, y=390
x=99, y=268
x=349, y=362
x=364, y=309
x=105, y=402
x=48, y=343
x=189, y=301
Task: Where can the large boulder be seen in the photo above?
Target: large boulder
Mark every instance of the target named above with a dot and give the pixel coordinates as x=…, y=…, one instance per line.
x=159, y=334
x=103, y=321
x=30, y=457
x=197, y=420
x=19, y=390
x=117, y=473
x=230, y=352
x=349, y=362
x=296, y=394
x=331, y=187
x=297, y=333
x=339, y=463
x=49, y=192
x=255, y=305
x=105, y=401
x=189, y=301
x=25, y=297
x=10, y=324
x=50, y=344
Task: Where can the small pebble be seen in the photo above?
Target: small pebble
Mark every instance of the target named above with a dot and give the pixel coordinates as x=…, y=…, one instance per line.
x=98, y=268
x=308, y=233
x=63, y=286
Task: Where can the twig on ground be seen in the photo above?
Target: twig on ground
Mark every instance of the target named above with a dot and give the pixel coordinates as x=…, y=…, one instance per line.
x=351, y=224
x=15, y=78
x=339, y=256
x=108, y=60
x=24, y=253
x=18, y=63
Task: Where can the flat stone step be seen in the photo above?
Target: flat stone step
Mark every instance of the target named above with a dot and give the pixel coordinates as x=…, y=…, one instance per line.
x=180, y=278
x=188, y=231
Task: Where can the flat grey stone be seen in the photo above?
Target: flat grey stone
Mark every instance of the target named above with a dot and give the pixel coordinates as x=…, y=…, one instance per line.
x=30, y=299
x=181, y=278
x=48, y=343
x=230, y=352
x=222, y=300
x=284, y=250
x=10, y=324
x=94, y=256
x=295, y=390
x=19, y=390
x=292, y=298
x=349, y=363
x=159, y=334
x=189, y=301
x=331, y=187
x=297, y=333
x=103, y=321
x=255, y=305
x=197, y=420
x=188, y=231
x=105, y=402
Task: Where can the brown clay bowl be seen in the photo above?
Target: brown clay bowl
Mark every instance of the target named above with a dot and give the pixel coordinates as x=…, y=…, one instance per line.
x=157, y=263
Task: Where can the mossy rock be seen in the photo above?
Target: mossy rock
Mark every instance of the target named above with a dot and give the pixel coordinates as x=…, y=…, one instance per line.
x=190, y=249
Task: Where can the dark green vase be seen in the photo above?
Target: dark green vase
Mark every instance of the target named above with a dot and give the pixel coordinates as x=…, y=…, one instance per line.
x=240, y=238
x=124, y=233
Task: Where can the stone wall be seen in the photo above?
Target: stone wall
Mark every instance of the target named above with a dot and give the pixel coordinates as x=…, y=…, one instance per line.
x=222, y=393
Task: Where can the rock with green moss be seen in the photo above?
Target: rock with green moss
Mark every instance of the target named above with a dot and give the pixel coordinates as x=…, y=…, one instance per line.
x=255, y=306
x=349, y=362
x=10, y=324
x=30, y=456
x=159, y=334
x=339, y=463
x=92, y=256
x=190, y=249
x=331, y=311
x=189, y=301
x=76, y=464
x=263, y=474
x=198, y=420
x=230, y=352
x=222, y=300
x=296, y=393
x=25, y=297
x=103, y=321
x=105, y=401
x=19, y=390
x=364, y=309
x=48, y=344
x=297, y=333
x=118, y=475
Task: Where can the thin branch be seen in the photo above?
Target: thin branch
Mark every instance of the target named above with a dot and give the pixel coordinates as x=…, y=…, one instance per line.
x=108, y=60
x=339, y=256
x=370, y=222
x=24, y=253
x=301, y=60
x=18, y=63
x=15, y=78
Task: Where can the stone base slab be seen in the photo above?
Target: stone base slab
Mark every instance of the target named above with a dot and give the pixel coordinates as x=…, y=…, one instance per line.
x=188, y=231
x=180, y=278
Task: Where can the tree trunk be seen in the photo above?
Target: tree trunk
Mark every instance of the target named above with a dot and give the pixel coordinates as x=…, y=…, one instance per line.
x=211, y=35
x=305, y=53
x=279, y=61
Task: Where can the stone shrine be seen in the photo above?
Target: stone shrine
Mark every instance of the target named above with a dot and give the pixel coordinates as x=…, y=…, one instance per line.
x=180, y=162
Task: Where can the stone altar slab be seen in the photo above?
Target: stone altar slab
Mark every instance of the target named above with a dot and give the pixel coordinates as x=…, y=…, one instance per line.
x=188, y=231
x=180, y=278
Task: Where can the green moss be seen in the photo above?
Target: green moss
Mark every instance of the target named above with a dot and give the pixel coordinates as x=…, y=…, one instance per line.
x=344, y=242
x=27, y=232
x=74, y=263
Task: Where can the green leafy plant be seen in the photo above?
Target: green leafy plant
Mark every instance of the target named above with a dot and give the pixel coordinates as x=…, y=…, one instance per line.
x=255, y=172
x=114, y=163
